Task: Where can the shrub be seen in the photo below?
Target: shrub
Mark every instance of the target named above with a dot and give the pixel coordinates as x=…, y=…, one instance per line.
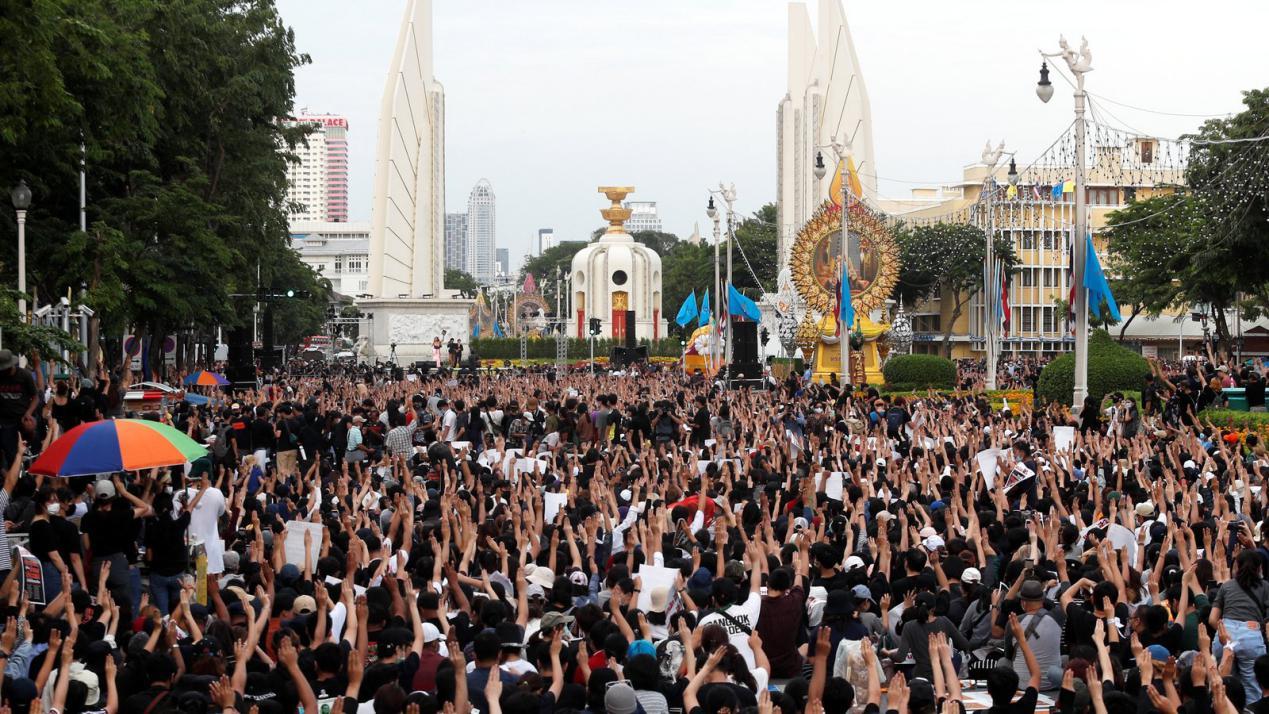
x=1111, y=368
x=543, y=348
x=904, y=372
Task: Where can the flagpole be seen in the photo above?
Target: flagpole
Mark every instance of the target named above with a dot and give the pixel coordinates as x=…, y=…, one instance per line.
x=729, y=197
x=712, y=212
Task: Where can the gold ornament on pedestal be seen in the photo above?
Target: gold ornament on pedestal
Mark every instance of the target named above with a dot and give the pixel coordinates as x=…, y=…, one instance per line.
x=807, y=336
x=815, y=264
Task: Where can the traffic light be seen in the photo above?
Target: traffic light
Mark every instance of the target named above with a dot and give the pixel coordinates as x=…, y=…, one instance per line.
x=290, y=293
x=594, y=326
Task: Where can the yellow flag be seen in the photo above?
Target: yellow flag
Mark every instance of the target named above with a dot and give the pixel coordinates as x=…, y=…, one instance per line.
x=846, y=167
x=1068, y=187
x=1011, y=193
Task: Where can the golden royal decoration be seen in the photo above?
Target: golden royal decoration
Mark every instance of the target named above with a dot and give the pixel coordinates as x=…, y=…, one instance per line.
x=813, y=259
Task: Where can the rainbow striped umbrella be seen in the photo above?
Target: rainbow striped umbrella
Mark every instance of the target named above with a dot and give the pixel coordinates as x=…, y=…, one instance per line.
x=203, y=378
x=119, y=445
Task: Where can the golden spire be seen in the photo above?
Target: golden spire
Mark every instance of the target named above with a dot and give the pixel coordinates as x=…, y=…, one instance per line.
x=616, y=214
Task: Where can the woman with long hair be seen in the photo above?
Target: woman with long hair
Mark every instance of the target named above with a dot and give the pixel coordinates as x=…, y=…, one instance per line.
x=1240, y=606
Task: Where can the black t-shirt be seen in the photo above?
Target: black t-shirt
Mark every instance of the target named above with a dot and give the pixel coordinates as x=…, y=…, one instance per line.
x=165, y=543
x=111, y=531
x=17, y=389
x=68, y=541
x=262, y=436
x=1025, y=704
x=241, y=430
x=1080, y=622
x=43, y=539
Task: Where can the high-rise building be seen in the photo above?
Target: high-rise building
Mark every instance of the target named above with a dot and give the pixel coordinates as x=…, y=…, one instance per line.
x=546, y=239
x=407, y=236
x=339, y=252
x=319, y=182
x=826, y=98
x=504, y=261
x=643, y=216
x=481, y=233
x=456, y=241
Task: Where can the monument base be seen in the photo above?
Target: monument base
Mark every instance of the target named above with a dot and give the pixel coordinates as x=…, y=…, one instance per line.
x=828, y=356
x=412, y=324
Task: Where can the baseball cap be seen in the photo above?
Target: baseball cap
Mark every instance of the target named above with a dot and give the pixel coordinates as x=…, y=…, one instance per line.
x=861, y=592
x=535, y=591
x=640, y=647
x=104, y=490
x=620, y=699
x=854, y=562
x=542, y=576
x=1158, y=653
x=933, y=543
x=971, y=575
x=551, y=620
x=431, y=633
x=304, y=605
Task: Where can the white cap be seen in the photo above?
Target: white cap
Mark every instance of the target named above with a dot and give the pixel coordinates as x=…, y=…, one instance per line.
x=431, y=633
x=933, y=543
x=854, y=562
x=971, y=575
x=1189, y=464
x=928, y=531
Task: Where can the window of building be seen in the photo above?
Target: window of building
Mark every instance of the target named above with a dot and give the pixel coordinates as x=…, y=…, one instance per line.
x=1028, y=319
x=928, y=323
x=1103, y=196
x=1048, y=240
x=1048, y=320
x=1028, y=277
x=1147, y=152
x=1130, y=194
x=354, y=264
x=339, y=265
x=1028, y=241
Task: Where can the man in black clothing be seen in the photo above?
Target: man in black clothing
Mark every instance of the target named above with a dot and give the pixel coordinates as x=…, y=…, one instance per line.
x=264, y=436
x=288, y=440
x=700, y=423
x=240, y=428
x=17, y=405
x=1256, y=392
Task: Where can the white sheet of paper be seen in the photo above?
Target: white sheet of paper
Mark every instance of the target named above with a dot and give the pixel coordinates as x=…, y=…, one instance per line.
x=458, y=446
x=1063, y=438
x=833, y=486
x=554, y=502
x=701, y=465
x=652, y=577
x=411, y=377
x=709, y=443
x=987, y=464
x=295, y=542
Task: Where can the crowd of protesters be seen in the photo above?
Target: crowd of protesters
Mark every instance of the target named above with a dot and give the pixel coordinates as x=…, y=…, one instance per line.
x=543, y=541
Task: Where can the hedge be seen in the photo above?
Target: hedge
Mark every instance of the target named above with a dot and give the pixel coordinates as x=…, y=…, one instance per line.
x=907, y=372
x=1111, y=368
x=544, y=348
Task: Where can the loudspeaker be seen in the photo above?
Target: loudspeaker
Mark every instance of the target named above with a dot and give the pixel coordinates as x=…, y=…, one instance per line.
x=473, y=361
x=268, y=359
x=241, y=362
x=745, y=346
x=424, y=366
x=631, y=341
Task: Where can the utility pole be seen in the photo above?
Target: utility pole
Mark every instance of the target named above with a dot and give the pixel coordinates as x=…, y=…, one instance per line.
x=842, y=150
x=992, y=289
x=1080, y=63
x=712, y=212
x=729, y=197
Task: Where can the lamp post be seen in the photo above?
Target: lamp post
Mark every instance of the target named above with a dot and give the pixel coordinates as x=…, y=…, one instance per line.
x=991, y=291
x=712, y=212
x=1080, y=63
x=841, y=151
x=728, y=193
x=21, y=196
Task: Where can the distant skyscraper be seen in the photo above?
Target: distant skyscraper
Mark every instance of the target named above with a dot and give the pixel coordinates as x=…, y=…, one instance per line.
x=481, y=233
x=456, y=241
x=643, y=216
x=504, y=261
x=319, y=182
x=546, y=239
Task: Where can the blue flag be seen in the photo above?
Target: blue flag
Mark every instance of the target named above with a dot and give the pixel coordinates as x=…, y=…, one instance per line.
x=498, y=330
x=1057, y=191
x=705, y=316
x=688, y=312
x=1095, y=283
x=845, y=308
x=738, y=304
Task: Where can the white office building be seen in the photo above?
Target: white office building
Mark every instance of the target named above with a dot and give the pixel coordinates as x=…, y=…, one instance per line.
x=546, y=239
x=643, y=216
x=339, y=252
x=482, y=237
x=456, y=241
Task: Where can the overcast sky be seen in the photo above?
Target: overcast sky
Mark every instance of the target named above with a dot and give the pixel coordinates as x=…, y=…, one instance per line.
x=549, y=99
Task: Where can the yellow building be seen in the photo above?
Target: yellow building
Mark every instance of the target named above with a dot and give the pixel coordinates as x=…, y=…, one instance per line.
x=1040, y=228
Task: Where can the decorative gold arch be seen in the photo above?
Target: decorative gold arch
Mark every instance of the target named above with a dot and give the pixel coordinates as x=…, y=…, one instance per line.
x=814, y=257
x=523, y=309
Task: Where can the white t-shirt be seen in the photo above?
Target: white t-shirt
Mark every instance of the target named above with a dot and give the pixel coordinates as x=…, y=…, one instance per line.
x=448, y=422
x=202, y=525
x=746, y=614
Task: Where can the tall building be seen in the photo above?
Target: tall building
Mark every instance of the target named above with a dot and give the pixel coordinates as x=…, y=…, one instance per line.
x=826, y=97
x=503, y=260
x=643, y=216
x=319, y=182
x=407, y=236
x=339, y=252
x=481, y=233
x=456, y=241
x=546, y=239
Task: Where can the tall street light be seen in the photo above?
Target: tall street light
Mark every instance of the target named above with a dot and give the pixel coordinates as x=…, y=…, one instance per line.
x=712, y=212
x=21, y=196
x=841, y=150
x=1080, y=63
x=728, y=192
x=991, y=290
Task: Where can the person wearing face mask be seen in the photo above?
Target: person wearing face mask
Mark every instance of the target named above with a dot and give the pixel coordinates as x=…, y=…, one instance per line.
x=44, y=542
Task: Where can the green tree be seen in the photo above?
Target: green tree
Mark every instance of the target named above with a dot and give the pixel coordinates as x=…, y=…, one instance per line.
x=758, y=236
x=946, y=259
x=1151, y=246
x=688, y=268
x=548, y=267
x=458, y=280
